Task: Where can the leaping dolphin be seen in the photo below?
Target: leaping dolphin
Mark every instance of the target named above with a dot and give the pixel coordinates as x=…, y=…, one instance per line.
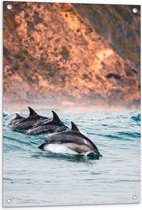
x=54, y=125
x=74, y=140
x=29, y=121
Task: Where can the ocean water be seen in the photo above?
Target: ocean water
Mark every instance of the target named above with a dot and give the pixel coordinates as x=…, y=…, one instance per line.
x=32, y=177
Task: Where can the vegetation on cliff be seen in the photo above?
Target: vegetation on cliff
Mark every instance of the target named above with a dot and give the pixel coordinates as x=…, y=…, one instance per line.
x=87, y=54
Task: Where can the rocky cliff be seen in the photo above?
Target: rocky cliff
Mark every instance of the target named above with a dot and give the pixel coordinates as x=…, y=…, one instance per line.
x=72, y=54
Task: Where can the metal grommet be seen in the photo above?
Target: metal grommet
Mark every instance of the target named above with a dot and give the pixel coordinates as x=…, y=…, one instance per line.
x=135, y=10
x=134, y=197
x=9, y=6
x=9, y=201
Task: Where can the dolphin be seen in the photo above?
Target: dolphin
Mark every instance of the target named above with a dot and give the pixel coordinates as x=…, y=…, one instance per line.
x=48, y=126
x=28, y=122
x=74, y=140
x=16, y=120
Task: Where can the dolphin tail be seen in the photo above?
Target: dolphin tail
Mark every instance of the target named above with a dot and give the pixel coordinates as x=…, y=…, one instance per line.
x=42, y=146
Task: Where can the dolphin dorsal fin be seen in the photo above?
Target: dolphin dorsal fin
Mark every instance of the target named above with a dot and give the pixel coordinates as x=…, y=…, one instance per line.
x=32, y=112
x=18, y=116
x=55, y=117
x=74, y=127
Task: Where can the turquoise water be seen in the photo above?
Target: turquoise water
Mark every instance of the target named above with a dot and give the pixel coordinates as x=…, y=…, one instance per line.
x=32, y=177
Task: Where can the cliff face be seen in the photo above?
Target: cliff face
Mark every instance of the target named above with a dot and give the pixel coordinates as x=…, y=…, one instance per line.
x=86, y=54
x=117, y=25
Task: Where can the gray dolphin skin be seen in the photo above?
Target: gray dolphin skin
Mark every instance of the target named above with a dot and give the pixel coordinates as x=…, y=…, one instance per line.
x=48, y=126
x=28, y=122
x=74, y=140
x=16, y=120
